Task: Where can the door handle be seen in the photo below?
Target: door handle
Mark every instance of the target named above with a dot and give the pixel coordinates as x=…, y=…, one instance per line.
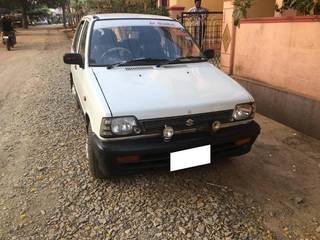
x=75, y=67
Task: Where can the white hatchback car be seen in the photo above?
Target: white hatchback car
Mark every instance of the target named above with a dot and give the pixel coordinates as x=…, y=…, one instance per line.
x=147, y=92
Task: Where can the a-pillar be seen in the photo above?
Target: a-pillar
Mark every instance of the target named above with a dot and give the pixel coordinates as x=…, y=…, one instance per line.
x=228, y=38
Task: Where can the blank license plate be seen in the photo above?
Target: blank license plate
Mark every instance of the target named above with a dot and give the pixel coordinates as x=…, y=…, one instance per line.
x=190, y=158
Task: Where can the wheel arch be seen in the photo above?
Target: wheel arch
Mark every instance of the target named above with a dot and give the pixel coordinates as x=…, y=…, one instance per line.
x=87, y=120
x=71, y=80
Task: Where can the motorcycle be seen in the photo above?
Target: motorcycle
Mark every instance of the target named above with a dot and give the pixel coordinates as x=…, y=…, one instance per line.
x=9, y=40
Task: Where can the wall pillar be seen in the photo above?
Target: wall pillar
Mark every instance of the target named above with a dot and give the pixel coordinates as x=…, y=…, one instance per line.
x=175, y=11
x=228, y=38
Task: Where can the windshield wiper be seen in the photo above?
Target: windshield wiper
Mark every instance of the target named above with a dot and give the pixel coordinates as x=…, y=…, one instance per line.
x=158, y=61
x=184, y=60
x=189, y=58
x=137, y=61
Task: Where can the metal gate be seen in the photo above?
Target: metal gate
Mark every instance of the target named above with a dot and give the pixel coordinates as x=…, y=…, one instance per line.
x=206, y=29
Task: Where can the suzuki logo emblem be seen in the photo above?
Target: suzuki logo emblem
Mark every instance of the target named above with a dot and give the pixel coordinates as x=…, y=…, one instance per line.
x=189, y=122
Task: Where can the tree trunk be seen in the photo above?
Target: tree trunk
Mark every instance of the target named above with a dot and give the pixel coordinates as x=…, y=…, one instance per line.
x=70, y=20
x=24, y=14
x=64, y=18
x=145, y=6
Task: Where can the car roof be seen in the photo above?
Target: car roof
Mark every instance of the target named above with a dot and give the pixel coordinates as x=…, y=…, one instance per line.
x=107, y=16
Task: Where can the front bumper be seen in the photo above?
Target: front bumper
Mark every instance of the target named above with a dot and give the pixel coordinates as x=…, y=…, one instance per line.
x=155, y=153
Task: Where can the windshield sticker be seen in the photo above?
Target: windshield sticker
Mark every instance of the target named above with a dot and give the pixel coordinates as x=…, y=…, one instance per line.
x=162, y=24
x=120, y=23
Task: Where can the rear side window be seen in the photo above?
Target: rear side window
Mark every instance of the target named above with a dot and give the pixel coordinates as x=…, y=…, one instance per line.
x=82, y=45
x=77, y=36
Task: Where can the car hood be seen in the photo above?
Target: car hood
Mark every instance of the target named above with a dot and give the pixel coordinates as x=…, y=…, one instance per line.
x=173, y=90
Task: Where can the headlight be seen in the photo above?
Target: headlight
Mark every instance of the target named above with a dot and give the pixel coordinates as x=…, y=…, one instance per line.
x=244, y=111
x=119, y=126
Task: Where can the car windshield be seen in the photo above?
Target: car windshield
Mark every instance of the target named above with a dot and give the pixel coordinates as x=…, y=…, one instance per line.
x=144, y=41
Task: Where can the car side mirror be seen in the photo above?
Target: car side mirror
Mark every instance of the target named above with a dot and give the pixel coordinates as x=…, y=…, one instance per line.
x=209, y=53
x=73, y=58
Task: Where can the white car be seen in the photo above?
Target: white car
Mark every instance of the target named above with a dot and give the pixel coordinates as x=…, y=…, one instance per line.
x=148, y=93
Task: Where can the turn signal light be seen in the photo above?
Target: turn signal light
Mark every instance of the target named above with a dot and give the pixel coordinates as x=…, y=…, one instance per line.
x=242, y=141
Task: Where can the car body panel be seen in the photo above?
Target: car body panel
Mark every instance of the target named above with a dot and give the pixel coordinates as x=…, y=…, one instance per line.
x=92, y=101
x=170, y=90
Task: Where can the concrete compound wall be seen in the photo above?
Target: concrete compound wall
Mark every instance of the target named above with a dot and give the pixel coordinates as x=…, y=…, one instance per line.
x=298, y=112
x=277, y=59
x=281, y=57
x=284, y=54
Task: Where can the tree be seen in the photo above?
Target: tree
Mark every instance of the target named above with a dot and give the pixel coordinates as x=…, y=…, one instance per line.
x=26, y=6
x=302, y=6
x=317, y=8
x=125, y=6
x=18, y=5
x=76, y=10
x=55, y=4
x=240, y=10
x=9, y=4
x=39, y=11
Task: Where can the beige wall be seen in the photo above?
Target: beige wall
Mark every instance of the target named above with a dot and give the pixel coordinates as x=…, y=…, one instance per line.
x=285, y=55
x=173, y=3
x=211, y=5
x=262, y=8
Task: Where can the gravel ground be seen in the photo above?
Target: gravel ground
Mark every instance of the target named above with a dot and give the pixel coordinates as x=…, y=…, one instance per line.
x=46, y=190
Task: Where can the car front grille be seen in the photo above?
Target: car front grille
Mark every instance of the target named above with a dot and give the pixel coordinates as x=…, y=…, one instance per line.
x=199, y=122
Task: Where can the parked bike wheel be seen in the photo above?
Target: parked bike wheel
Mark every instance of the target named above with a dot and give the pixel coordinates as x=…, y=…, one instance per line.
x=8, y=44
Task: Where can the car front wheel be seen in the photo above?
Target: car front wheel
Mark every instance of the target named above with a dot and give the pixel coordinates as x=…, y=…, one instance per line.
x=93, y=161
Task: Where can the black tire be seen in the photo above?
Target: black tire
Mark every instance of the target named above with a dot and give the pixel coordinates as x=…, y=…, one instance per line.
x=93, y=161
x=8, y=44
x=75, y=95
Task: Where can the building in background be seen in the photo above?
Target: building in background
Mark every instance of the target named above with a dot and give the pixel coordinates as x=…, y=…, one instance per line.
x=176, y=7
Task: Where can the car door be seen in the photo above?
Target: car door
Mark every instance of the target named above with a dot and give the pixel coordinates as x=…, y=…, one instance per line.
x=74, y=49
x=80, y=71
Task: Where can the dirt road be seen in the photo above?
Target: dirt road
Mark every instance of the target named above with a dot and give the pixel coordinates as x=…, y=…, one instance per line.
x=46, y=191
